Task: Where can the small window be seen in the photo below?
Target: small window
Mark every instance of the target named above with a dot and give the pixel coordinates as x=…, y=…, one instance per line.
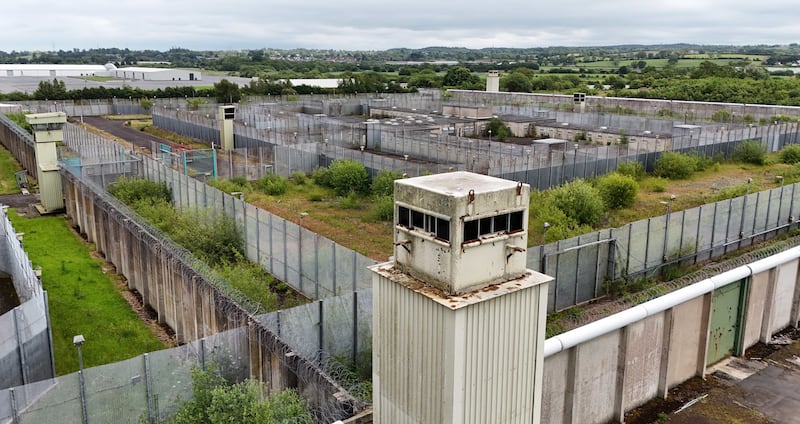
x=486, y=226
x=417, y=219
x=501, y=223
x=515, y=221
x=403, y=216
x=442, y=229
x=471, y=231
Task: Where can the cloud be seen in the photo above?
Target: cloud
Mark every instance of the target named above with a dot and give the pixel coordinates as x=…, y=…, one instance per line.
x=371, y=25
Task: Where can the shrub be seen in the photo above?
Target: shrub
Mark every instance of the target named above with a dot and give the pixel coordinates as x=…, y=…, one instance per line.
x=632, y=169
x=348, y=175
x=351, y=201
x=214, y=238
x=274, y=185
x=658, y=184
x=322, y=177
x=561, y=226
x=790, y=154
x=384, y=208
x=617, y=190
x=134, y=190
x=229, y=186
x=579, y=201
x=750, y=151
x=218, y=400
x=675, y=166
x=299, y=178
x=383, y=183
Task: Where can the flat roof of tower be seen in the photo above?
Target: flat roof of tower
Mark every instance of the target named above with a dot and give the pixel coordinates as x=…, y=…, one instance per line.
x=459, y=183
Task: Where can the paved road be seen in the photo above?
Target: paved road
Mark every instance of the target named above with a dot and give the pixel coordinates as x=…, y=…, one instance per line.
x=18, y=201
x=119, y=129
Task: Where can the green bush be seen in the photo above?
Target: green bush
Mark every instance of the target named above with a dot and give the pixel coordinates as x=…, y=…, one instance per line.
x=658, y=184
x=299, y=178
x=232, y=185
x=750, y=151
x=675, y=166
x=133, y=190
x=384, y=208
x=617, y=190
x=217, y=400
x=383, y=183
x=348, y=176
x=214, y=238
x=632, y=169
x=274, y=185
x=578, y=200
x=351, y=201
x=790, y=154
x=322, y=177
x=560, y=225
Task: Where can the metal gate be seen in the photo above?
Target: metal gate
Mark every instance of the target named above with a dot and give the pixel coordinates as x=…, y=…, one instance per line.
x=727, y=308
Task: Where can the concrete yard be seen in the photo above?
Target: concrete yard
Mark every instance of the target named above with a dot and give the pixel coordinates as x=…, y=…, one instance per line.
x=761, y=387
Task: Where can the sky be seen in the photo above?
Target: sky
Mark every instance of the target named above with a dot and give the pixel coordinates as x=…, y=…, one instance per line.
x=46, y=25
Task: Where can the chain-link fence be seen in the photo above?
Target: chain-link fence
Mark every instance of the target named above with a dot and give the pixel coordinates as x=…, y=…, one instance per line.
x=26, y=347
x=147, y=388
x=311, y=264
x=583, y=264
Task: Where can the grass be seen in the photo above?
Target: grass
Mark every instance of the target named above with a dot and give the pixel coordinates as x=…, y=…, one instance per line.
x=8, y=166
x=83, y=299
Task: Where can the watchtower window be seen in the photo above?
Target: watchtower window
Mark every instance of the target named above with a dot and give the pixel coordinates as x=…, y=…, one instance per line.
x=506, y=223
x=416, y=220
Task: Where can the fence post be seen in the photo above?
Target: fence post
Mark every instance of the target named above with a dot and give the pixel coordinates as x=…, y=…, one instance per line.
x=49, y=333
x=21, y=345
x=271, y=268
x=82, y=392
x=203, y=353
x=316, y=266
x=355, y=329
x=300, y=256
x=320, y=330
x=148, y=387
x=14, y=410
x=334, y=269
x=285, y=254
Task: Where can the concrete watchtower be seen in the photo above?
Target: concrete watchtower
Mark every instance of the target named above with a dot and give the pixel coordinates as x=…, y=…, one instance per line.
x=493, y=81
x=458, y=320
x=225, y=116
x=48, y=130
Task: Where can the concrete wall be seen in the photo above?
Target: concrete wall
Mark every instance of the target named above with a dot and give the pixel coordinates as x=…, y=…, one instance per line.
x=677, y=108
x=596, y=373
x=185, y=300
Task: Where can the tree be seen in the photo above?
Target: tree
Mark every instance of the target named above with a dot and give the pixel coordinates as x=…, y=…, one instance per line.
x=459, y=76
x=227, y=92
x=497, y=129
x=517, y=82
x=57, y=90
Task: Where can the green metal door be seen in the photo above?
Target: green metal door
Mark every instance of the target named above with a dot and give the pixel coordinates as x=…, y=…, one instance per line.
x=726, y=313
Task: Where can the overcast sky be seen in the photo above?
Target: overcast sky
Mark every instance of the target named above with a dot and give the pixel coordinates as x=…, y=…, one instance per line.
x=379, y=25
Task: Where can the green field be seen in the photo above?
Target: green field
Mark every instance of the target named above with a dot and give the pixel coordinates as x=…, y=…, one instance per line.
x=83, y=299
x=8, y=166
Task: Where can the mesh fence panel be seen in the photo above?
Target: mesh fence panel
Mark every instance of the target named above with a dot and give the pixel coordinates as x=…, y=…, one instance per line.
x=116, y=392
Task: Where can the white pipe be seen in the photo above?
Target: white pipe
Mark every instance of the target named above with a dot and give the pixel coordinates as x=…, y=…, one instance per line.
x=622, y=319
x=762, y=265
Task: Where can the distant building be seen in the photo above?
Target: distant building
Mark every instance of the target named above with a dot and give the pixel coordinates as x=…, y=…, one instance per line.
x=107, y=70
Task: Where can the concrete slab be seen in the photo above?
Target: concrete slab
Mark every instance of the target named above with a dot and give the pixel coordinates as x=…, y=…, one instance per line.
x=774, y=392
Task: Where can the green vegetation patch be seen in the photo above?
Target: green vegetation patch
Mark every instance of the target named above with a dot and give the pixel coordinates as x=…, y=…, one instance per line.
x=8, y=167
x=83, y=298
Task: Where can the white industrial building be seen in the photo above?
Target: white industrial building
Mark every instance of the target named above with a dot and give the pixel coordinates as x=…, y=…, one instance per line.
x=107, y=70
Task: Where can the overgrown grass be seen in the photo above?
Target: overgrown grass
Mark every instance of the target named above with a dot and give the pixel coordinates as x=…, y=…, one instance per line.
x=8, y=166
x=83, y=299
